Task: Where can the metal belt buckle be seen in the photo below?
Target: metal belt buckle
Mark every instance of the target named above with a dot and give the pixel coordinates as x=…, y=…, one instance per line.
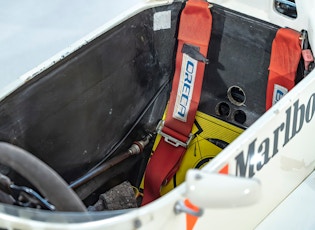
x=172, y=140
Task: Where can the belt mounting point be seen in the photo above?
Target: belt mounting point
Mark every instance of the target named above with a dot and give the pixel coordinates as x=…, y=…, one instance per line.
x=172, y=140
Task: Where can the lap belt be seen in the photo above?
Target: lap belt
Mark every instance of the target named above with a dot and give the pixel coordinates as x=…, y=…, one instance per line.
x=193, y=40
x=285, y=56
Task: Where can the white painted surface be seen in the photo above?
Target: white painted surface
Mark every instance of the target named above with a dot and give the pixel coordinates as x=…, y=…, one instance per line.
x=223, y=191
x=295, y=212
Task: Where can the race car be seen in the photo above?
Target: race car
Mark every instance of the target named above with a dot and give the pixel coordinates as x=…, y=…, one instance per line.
x=175, y=114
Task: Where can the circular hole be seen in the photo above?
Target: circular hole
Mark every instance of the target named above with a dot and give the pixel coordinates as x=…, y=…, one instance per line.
x=236, y=95
x=239, y=116
x=223, y=109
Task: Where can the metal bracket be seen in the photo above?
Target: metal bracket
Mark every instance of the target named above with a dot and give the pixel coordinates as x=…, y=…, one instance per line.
x=181, y=207
x=172, y=140
x=194, y=52
x=286, y=7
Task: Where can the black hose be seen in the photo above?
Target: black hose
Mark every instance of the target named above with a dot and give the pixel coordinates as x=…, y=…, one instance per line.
x=43, y=177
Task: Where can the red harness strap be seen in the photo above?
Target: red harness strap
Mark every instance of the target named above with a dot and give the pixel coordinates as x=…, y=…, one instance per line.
x=285, y=57
x=193, y=40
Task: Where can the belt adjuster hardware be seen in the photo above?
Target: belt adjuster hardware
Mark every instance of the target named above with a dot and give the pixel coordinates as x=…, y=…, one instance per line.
x=172, y=140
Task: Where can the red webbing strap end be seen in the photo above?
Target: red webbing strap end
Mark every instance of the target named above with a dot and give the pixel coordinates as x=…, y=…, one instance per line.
x=285, y=56
x=194, y=33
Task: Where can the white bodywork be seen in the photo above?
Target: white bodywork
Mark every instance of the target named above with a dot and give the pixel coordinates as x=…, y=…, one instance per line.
x=291, y=153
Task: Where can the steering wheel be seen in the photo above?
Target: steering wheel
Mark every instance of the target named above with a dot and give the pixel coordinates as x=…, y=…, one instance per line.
x=44, y=178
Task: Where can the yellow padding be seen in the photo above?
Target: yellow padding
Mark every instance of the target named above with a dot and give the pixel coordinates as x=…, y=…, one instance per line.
x=200, y=149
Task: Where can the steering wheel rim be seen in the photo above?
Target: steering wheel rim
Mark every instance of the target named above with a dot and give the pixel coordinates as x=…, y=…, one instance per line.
x=49, y=183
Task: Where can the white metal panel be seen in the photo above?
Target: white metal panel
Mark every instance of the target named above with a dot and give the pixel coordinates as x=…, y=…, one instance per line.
x=296, y=211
